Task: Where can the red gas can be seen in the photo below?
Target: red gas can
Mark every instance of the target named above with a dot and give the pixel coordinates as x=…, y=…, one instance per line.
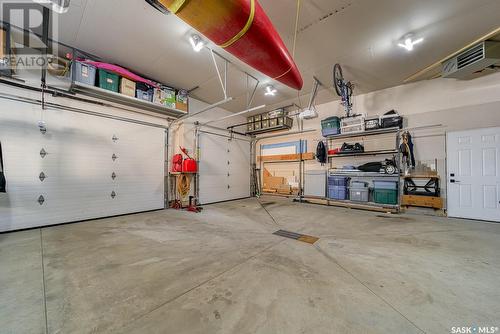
x=189, y=166
x=177, y=163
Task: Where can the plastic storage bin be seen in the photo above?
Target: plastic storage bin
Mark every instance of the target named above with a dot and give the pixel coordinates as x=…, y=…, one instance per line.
x=359, y=194
x=330, y=122
x=109, y=80
x=337, y=192
x=250, y=124
x=337, y=181
x=144, y=92
x=285, y=121
x=85, y=73
x=391, y=121
x=359, y=185
x=372, y=123
x=354, y=124
x=385, y=196
x=330, y=132
x=391, y=185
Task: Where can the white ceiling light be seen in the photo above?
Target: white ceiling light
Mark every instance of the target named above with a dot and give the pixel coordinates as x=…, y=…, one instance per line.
x=409, y=43
x=196, y=42
x=270, y=91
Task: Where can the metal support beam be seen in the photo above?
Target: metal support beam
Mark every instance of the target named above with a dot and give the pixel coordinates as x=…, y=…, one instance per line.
x=236, y=114
x=223, y=82
x=207, y=108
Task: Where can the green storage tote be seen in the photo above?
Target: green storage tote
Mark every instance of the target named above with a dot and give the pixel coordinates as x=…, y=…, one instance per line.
x=330, y=122
x=109, y=80
x=385, y=196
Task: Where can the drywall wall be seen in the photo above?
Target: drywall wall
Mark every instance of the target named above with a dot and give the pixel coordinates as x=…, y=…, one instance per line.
x=182, y=133
x=430, y=108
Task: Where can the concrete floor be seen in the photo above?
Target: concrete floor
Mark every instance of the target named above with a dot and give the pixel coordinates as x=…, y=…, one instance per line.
x=222, y=271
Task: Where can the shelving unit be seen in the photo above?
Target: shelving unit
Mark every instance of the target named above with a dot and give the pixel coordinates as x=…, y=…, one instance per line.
x=343, y=155
x=365, y=175
x=125, y=100
x=301, y=159
x=365, y=133
x=287, y=125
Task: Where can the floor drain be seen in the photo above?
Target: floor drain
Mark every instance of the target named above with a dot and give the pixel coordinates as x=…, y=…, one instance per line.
x=296, y=236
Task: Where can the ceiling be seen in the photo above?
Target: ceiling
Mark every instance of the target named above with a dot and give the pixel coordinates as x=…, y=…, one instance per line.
x=362, y=35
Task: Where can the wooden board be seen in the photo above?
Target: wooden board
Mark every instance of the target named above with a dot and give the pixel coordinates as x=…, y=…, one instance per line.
x=422, y=201
x=349, y=205
x=273, y=182
x=422, y=176
x=286, y=157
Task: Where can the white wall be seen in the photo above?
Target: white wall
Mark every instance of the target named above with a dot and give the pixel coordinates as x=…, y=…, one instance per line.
x=456, y=105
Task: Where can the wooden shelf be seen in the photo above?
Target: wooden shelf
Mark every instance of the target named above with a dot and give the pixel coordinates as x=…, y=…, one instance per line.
x=360, y=154
x=421, y=176
x=286, y=157
x=364, y=133
x=364, y=174
x=371, y=206
x=125, y=100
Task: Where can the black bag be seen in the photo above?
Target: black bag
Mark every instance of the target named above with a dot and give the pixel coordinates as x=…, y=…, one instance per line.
x=373, y=167
x=2, y=176
x=352, y=148
x=321, y=153
x=391, y=119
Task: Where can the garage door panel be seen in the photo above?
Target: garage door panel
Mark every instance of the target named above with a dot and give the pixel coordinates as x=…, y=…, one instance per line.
x=220, y=180
x=78, y=167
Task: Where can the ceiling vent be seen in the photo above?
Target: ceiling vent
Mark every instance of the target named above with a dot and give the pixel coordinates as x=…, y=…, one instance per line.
x=476, y=60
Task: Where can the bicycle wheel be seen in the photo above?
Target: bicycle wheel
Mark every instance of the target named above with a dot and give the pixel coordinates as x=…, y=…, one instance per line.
x=338, y=79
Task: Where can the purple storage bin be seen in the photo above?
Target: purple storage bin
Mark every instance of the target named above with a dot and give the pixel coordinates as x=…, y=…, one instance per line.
x=338, y=181
x=336, y=192
x=330, y=132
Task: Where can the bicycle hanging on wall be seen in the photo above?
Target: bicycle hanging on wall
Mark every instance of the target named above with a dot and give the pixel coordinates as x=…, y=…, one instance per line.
x=343, y=88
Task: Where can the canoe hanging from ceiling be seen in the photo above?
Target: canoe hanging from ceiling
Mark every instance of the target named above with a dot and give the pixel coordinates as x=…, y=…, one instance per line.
x=243, y=29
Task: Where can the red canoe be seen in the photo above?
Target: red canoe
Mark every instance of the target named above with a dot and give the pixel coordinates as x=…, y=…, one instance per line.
x=242, y=28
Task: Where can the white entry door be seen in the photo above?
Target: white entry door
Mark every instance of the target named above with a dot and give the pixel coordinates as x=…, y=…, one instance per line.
x=224, y=168
x=474, y=174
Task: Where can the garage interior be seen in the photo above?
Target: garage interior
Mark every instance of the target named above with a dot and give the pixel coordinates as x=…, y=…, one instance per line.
x=249, y=166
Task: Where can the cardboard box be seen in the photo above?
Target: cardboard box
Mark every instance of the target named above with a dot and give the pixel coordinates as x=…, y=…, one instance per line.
x=182, y=100
x=6, y=67
x=265, y=121
x=165, y=96
x=127, y=87
x=273, y=182
x=3, y=43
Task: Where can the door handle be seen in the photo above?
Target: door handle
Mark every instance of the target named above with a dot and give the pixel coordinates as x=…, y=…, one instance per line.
x=454, y=181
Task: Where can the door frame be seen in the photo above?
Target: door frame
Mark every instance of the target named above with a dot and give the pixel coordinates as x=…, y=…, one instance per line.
x=447, y=164
x=223, y=133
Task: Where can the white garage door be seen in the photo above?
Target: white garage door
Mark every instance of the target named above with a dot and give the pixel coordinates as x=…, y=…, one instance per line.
x=224, y=168
x=90, y=167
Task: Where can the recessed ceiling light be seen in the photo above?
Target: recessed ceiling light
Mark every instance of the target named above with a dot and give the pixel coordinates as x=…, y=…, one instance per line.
x=270, y=91
x=196, y=42
x=409, y=44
